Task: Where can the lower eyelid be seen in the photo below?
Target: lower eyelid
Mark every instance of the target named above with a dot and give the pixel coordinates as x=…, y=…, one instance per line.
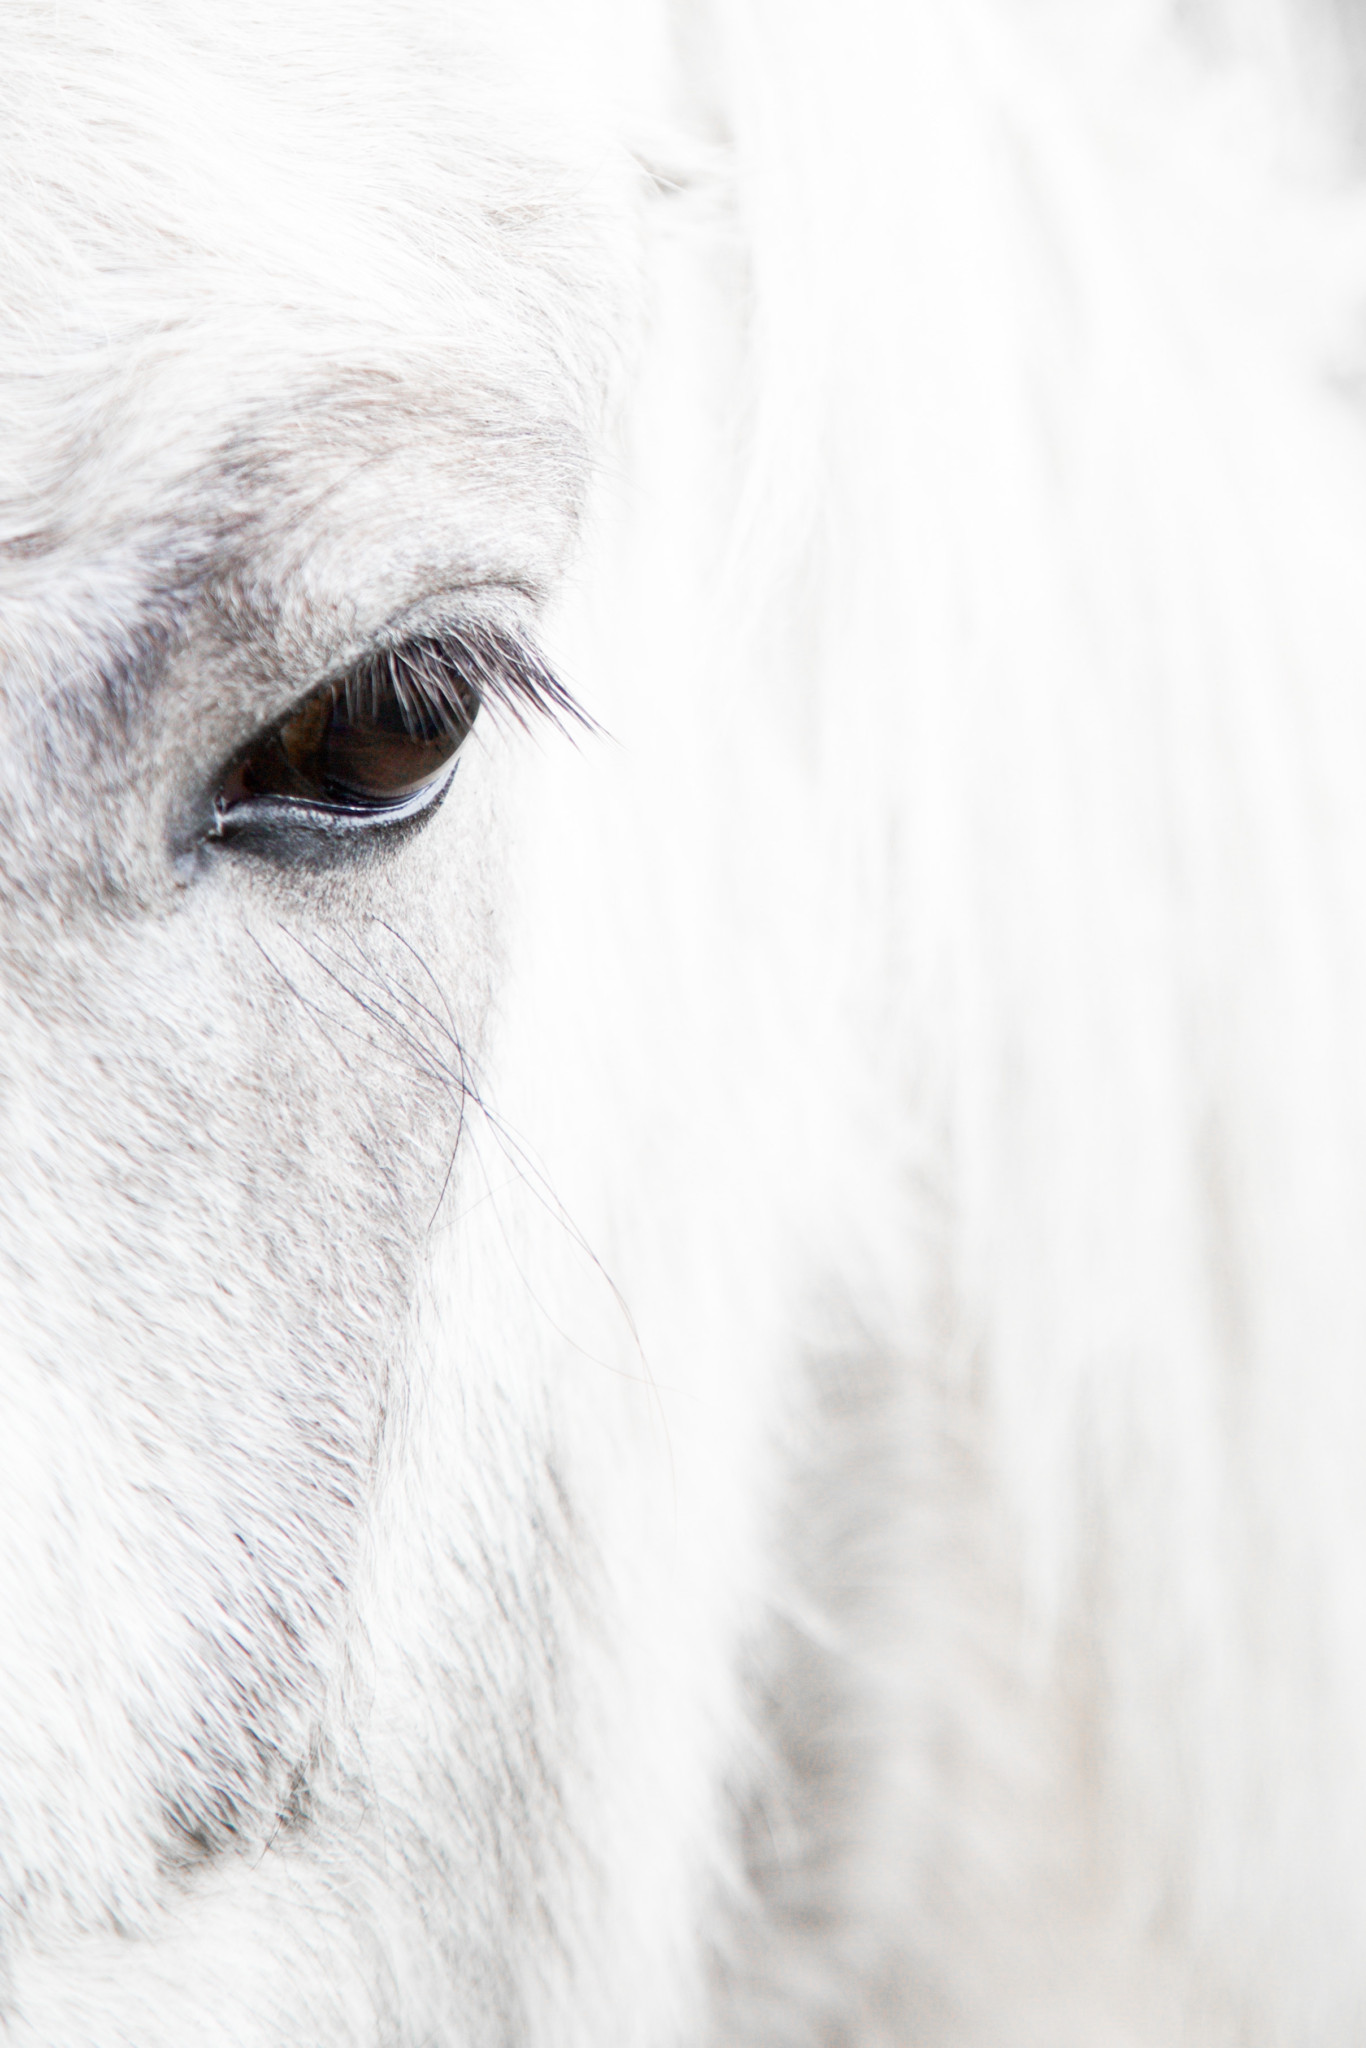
x=276, y=823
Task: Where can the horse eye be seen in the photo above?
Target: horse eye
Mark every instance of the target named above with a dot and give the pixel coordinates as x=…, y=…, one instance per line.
x=376, y=746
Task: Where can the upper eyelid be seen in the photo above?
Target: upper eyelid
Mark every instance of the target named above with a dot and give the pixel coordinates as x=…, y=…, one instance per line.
x=506, y=670
x=285, y=641
x=497, y=650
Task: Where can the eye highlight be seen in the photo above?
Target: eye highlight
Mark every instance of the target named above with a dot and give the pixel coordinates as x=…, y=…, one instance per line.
x=380, y=743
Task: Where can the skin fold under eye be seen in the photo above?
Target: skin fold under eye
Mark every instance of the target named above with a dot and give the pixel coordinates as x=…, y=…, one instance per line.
x=378, y=744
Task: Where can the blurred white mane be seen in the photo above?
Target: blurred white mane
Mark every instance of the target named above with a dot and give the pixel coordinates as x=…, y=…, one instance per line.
x=721, y=1399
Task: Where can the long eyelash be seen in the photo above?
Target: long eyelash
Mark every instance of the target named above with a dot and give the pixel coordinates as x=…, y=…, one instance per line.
x=443, y=681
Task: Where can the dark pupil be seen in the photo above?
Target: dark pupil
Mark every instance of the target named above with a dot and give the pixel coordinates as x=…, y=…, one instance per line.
x=374, y=740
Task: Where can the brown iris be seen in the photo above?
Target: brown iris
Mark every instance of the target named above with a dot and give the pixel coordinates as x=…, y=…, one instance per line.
x=373, y=742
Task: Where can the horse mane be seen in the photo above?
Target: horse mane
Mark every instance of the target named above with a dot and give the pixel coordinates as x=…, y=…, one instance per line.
x=1043, y=579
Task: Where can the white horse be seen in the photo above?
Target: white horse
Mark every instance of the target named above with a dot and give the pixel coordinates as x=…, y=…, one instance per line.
x=683, y=1229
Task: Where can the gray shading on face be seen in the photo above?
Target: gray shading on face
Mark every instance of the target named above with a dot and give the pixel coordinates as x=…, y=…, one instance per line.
x=294, y=457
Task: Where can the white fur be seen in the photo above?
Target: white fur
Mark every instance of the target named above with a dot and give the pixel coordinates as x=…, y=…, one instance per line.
x=842, y=1518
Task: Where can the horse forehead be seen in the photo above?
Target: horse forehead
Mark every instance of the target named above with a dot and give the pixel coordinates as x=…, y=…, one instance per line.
x=240, y=288
x=193, y=140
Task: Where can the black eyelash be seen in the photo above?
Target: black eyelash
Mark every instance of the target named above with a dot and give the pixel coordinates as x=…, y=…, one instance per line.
x=443, y=679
